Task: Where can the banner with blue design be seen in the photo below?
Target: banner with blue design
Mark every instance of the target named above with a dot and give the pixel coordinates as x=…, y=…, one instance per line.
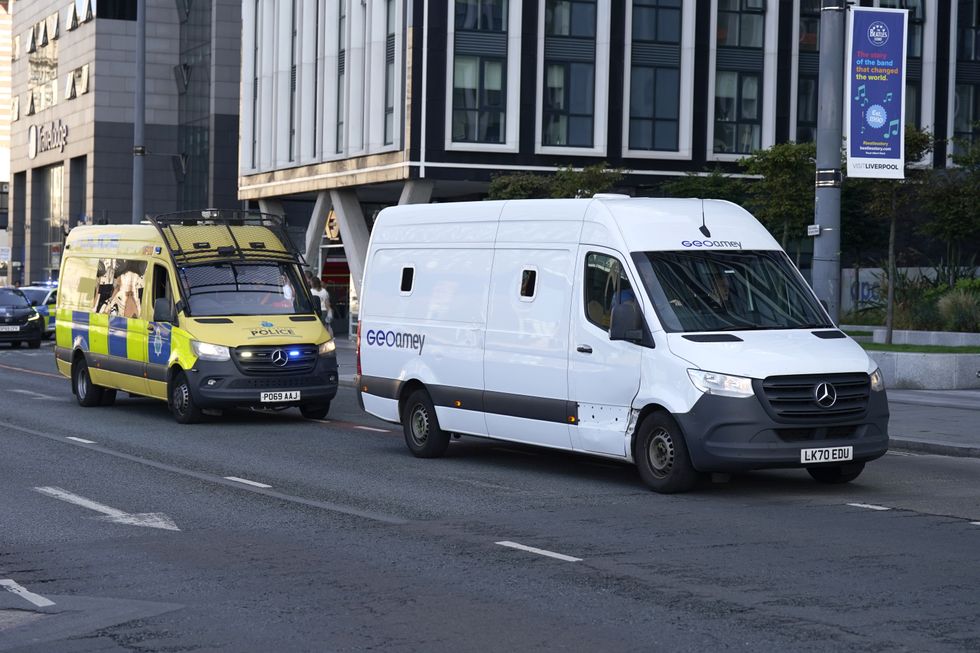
x=875, y=100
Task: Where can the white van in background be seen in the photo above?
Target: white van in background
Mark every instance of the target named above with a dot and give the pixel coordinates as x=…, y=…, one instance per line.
x=672, y=333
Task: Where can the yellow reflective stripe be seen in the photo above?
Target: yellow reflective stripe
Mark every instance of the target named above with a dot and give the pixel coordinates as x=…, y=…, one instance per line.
x=98, y=333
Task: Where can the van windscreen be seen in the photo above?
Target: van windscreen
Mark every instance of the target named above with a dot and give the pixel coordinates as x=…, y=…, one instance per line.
x=721, y=290
x=227, y=289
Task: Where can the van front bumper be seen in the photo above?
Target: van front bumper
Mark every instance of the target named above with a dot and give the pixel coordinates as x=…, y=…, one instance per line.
x=222, y=385
x=727, y=434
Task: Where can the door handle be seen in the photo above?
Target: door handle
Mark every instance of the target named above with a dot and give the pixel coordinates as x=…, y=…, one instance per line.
x=585, y=349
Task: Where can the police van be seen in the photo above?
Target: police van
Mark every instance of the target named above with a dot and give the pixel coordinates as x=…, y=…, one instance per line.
x=674, y=334
x=205, y=310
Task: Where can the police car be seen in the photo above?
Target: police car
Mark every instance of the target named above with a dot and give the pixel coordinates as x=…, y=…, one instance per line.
x=43, y=296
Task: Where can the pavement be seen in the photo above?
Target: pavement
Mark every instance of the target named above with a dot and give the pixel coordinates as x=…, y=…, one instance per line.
x=942, y=422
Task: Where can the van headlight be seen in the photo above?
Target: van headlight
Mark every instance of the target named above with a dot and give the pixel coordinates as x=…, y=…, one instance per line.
x=327, y=347
x=725, y=385
x=877, y=380
x=208, y=352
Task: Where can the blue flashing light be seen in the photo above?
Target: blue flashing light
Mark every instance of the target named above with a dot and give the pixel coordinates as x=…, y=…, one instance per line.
x=293, y=353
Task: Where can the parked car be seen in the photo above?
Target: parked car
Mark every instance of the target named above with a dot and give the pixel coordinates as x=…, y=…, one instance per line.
x=19, y=321
x=43, y=297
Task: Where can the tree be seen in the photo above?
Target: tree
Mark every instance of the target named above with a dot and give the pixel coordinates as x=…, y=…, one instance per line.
x=782, y=198
x=566, y=182
x=889, y=199
x=714, y=185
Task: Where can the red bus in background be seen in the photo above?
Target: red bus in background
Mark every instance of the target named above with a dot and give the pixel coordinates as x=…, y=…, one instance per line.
x=335, y=276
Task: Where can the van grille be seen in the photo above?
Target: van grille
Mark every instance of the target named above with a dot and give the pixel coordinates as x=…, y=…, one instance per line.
x=794, y=398
x=276, y=359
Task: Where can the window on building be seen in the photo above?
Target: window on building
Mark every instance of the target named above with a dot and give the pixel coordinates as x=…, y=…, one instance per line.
x=293, y=40
x=968, y=30
x=657, y=21
x=810, y=25
x=481, y=15
x=806, y=110
x=341, y=66
x=912, y=103
x=478, y=99
x=116, y=9
x=654, y=117
x=741, y=23
x=390, y=72
x=738, y=112
x=570, y=18
x=255, y=87
x=967, y=113
x=569, y=73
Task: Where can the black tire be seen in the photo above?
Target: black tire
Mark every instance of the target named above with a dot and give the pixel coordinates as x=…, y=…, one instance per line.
x=424, y=437
x=87, y=393
x=661, y=456
x=315, y=411
x=34, y=344
x=836, y=474
x=182, y=405
x=108, y=397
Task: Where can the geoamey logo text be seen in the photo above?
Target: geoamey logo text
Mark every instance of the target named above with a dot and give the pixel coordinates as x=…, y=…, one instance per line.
x=712, y=243
x=404, y=340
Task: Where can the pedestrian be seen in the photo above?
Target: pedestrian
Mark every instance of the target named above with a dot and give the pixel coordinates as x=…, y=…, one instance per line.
x=317, y=290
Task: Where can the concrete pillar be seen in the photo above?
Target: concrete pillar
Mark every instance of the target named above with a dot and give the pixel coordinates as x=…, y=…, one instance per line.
x=272, y=206
x=314, y=231
x=416, y=191
x=353, y=231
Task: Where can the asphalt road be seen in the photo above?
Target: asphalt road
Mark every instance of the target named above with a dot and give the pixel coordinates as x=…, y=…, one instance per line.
x=356, y=545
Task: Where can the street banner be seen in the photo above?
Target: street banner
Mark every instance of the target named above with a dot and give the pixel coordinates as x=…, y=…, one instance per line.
x=875, y=95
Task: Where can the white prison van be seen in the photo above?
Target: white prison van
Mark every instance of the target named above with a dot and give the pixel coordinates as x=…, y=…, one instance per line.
x=672, y=333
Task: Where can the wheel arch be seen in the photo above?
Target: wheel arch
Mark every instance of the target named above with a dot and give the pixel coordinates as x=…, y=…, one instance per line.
x=406, y=390
x=645, y=413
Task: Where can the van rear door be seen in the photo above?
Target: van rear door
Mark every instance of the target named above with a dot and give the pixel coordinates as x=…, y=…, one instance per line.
x=603, y=374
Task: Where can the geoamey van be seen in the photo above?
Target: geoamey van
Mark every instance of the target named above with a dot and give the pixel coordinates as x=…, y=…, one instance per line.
x=675, y=334
x=203, y=309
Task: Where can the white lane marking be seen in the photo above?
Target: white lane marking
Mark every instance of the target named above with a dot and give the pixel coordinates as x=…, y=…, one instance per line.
x=542, y=552
x=31, y=393
x=247, y=482
x=82, y=440
x=25, y=594
x=146, y=519
x=975, y=523
x=869, y=506
x=371, y=428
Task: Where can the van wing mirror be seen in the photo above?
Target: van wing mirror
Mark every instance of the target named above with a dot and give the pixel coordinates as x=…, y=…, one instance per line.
x=164, y=311
x=317, y=305
x=626, y=322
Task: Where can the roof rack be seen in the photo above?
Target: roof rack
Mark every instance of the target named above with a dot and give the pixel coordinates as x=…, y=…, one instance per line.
x=208, y=235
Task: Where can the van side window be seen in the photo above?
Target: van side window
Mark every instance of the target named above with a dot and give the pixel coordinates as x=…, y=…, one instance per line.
x=120, y=287
x=161, y=285
x=77, y=284
x=529, y=278
x=408, y=279
x=605, y=286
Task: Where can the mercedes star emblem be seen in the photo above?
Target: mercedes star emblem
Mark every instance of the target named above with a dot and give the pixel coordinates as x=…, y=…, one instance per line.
x=280, y=358
x=825, y=394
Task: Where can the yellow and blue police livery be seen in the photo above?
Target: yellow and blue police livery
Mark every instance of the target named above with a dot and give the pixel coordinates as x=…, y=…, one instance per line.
x=205, y=310
x=43, y=297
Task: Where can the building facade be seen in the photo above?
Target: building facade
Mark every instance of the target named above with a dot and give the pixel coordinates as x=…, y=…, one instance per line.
x=351, y=105
x=72, y=102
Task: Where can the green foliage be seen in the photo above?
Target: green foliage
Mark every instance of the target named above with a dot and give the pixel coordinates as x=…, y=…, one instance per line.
x=566, y=182
x=783, y=198
x=959, y=310
x=714, y=185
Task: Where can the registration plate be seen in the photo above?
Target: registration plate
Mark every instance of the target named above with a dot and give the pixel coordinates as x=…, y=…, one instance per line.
x=826, y=455
x=9, y=327
x=290, y=395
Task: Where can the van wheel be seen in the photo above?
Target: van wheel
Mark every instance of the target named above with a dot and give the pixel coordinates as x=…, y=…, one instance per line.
x=836, y=474
x=422, y=433
x=182, y=405
x=87, y=393
x=661, y=456
x=316, y=411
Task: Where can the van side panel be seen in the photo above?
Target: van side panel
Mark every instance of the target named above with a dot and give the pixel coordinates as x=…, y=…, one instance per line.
x=432, y=332
x=526, y=355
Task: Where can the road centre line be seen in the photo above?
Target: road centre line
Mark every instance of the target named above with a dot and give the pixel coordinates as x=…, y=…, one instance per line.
x=543, y=552
x=82, y=440
x=975, y=523
x=247, y=482
x=24, y=369
x=219, y=480
x=25, y=594
x=371, y=428
x=31, y=393
x=869, y=506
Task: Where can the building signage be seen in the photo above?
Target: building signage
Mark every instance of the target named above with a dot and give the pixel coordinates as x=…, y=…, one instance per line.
x=875, y=115
x=48, y=136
